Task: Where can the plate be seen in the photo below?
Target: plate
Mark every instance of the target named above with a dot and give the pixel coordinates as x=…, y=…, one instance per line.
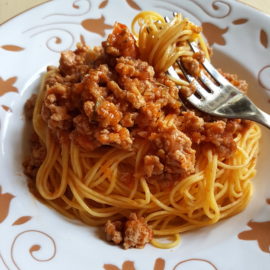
x=34, y=236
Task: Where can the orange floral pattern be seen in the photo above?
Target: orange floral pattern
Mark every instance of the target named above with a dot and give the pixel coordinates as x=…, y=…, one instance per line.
x=6, y=108
x=131, y=3
x=214, y=34
x=264, y=38
x=12, y=48
x=103, y=4
x=240, y=21
x=97, y=26
x=160, y=265
x=6, y=86
x=5, y=200
x=129, y=265
x=5, y=203
x=260, y=231
x=21, y=220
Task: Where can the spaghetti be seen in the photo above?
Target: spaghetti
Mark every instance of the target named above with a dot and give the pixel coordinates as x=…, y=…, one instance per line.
x=118, y=142
x=161, y=43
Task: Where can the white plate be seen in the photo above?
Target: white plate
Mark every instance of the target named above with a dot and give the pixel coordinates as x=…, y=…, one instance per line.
x=36, y=237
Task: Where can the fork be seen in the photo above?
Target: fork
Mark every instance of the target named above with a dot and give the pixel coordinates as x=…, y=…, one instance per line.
x=222, y=99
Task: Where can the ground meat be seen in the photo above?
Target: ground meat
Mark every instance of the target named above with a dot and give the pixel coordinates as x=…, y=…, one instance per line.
x=120, y=137
x=187, y=91
x=217, y=134
x=132, y=232
x=128, y=119
x=192, y=65
x=108, y=113
x=199, y=56
x=107, y=96
x=121, y=42
x=214, y=131
x=67, y=62
x=180, y=157
x=89, y=108
x=193, y=126
x=233, y=78
x=83, y=132
x=113, y=105
x=137, y=233
x=29, y=106
x=113, y=231
x=135, y=98
x=152, y=165
x=37, y=156
x=139, y=69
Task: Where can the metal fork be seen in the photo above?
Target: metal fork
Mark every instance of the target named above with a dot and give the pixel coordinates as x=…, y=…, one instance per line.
x=222, y=100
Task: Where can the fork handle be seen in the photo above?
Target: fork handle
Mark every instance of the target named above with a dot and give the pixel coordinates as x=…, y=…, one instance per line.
x=262, y=118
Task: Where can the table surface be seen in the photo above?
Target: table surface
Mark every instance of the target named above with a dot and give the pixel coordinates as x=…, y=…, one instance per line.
x=11, y=8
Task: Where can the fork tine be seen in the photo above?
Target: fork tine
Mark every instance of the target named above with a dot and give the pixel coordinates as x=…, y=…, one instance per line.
x=166, y=18
x=195, y=100
x=172, y=72
x=209, y=67
x=201, y=90
x=209, y=83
